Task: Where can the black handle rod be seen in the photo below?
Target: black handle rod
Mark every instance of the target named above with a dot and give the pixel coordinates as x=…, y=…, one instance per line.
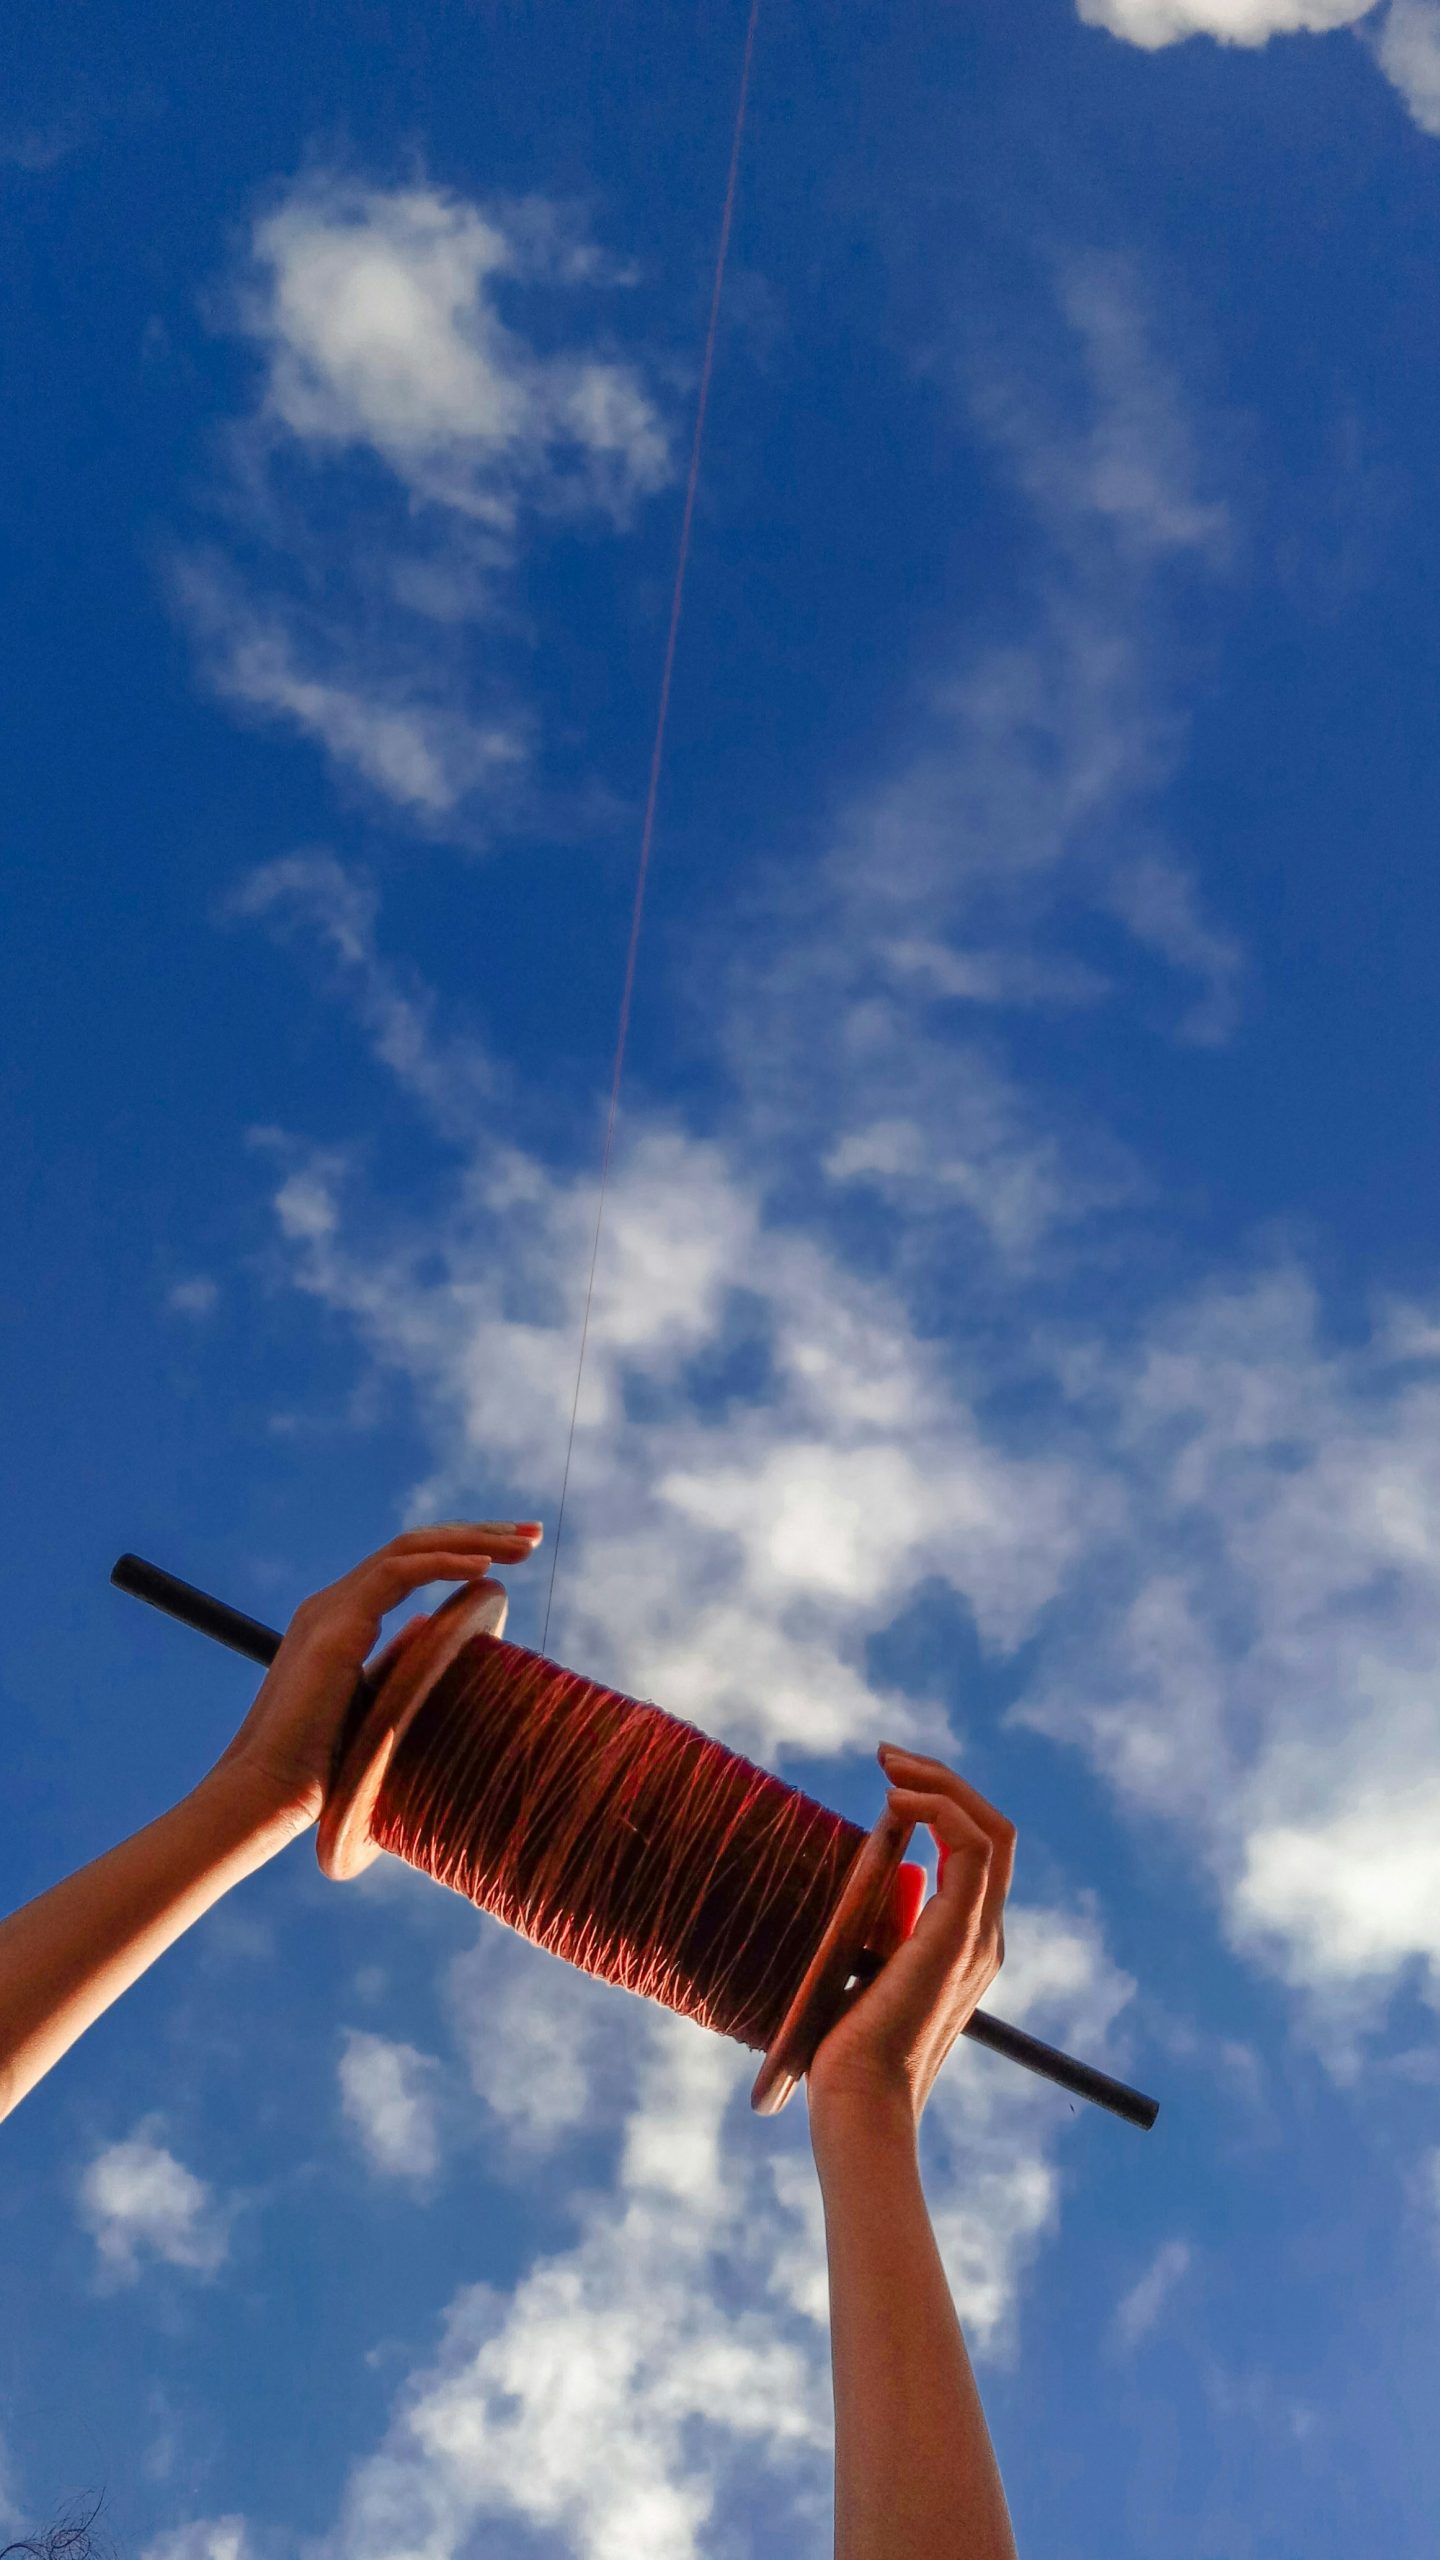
x=195, y=1608
x=1080, y=2078
x=246, y=1635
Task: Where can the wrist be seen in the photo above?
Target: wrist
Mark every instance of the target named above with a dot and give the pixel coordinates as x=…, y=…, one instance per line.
x=871, y=2122
x=245, y=1809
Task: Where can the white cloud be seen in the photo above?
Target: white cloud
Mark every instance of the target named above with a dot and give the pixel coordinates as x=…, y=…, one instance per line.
x=198, y=1296
x=1020, y=800
x=389, y=2095
x=996, y=2187
x=743, y=1584
x=1223, y=1535
x=1138, y=2310
x=379, y=719
x=378, y=313
x=1404, y=37
x=732, y=1550
x=1153, y=23
x=139, y=2201
x=1407, y=48
x=1154, y=897
x=1122, y=460
x=677, y=2350
x=209, y=2538
x=1016, y=1180
x=1353, y=1892
x=1002, y=978
x=548, y=2049
x=1231, y=1540
x=603, y=2399
x=312, y=894
x=406, y=430
x=1261, y=1670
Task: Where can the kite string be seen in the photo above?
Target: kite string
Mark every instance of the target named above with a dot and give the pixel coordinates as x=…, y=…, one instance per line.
x=657, y=754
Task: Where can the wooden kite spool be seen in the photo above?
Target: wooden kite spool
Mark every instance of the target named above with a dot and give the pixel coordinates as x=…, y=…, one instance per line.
x=683, y=1911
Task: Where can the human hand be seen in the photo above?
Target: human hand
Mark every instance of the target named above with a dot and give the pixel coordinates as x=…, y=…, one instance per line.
x=885, y=2050
x=280, y=1758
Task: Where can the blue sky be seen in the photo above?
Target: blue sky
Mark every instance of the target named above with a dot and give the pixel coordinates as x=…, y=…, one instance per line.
x=1019, y=1316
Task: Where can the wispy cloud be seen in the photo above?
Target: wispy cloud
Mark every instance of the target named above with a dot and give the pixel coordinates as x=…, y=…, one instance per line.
x=37, y=148
x=380, y=716
x=608, y=2394
x=396, y=395
x=1214, y=1532
x=759, y=1526
x=1016, y=820
x=1100, y=433
x=209, y=2538
x=311, y=900
x=1219, y=1534
x=139, y=2202
x=1261, y=1667
x=388, y=2094
x=1138, y=2311
x=732, y=1554
x=43, y=147
x=633, y=2379
x=197, y=1297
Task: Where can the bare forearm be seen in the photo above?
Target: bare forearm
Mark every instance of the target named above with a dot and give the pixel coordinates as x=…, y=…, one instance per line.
x=914, y=2466
x=66, y=1956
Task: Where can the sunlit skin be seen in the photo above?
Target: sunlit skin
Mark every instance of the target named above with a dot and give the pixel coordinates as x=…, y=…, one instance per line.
x=68, y=1955
x=914, y=2468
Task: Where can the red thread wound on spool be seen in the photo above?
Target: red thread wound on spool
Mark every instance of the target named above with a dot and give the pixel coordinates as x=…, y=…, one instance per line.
x=619, y=1837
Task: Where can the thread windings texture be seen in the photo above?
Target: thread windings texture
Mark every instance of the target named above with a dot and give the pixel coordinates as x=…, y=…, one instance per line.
x=616, y=1836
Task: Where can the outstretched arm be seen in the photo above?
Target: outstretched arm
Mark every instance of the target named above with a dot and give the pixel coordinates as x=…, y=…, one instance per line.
x=65, y=1957
x=914, y=2467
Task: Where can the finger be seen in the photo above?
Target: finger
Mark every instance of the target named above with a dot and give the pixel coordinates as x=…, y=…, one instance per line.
x=951, y=1939
x=969, y=1847
x=918, y=1768
x=459, y=1535
x=972, y=1877
x=389, y=1579
x=449, y=1551
x=998, y=1877
x=913, y=1767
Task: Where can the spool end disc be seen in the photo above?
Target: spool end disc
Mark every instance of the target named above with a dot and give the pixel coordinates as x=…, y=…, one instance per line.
x=862, y=1919
x=386, y=1706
